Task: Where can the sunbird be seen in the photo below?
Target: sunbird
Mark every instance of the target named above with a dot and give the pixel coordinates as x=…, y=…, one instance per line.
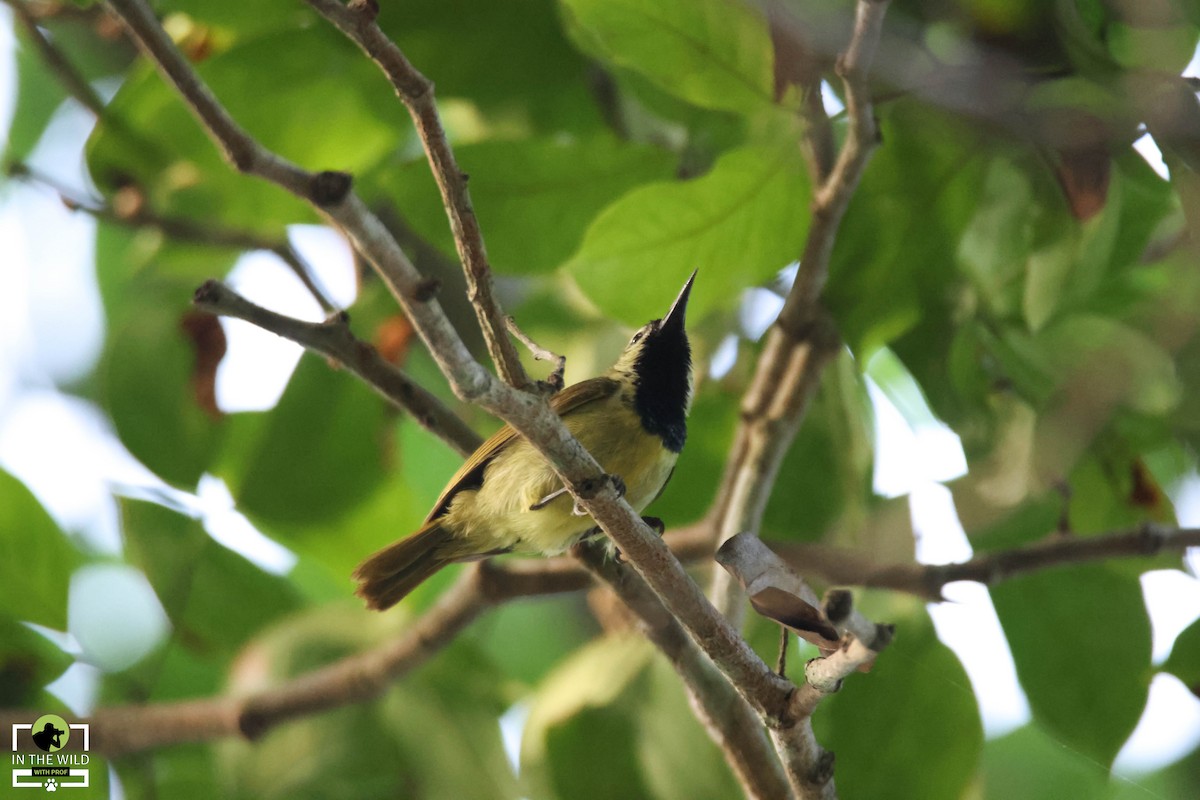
x=507, y=499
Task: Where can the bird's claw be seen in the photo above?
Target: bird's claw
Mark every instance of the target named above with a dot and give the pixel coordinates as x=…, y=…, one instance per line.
x=589, y=489
x=655, y=523
x=618, y=484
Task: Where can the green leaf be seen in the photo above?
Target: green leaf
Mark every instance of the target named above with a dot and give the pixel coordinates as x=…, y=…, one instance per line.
x=894, y=269
x=1158, y=47
x=908, y=728
x=709, y=52
x=181, y=171
x=620, y=709
x=1091, y=265
x=1138, y=372
x=832, y=450
x=679, y=759
x=1184, y=661
x=996, y=245
x=215, y=598
x=139, y=268
x=432, y=735
x=1080, y=638
x=181, y=772
x=147, y=387
x=396, y=507
x=317, y=454
x=574, y=713
x=38, y=96
x=39, y=92
x=534, y=198
x=1104, y=496
x=237, y=19
x=527, y=639
x=36, y=558
x=739, y=225
x=28, y=663
x=522, y=73
x=1031, y=765
x=458, y=699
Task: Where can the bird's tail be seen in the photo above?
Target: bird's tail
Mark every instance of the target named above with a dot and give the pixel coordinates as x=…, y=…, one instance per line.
x=386, y=577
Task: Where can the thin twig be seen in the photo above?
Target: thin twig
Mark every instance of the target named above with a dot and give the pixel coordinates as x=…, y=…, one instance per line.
x=851, y=568
x=819, y=144
x=129, y=729
x=554, y=381
x=803, y=339
x=357, y=21
x=763, y=574
x=139, y=215
x=333, y=339
x=727, y=717
x=781, y=660
x=122, y=730
x=119, y=731
x=71, y=78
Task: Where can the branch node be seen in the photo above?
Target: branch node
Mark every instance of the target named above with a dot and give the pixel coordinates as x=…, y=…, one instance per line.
x=590, y=488
x=427, y=289
x=329, y=188
x=554, y=381
x=884, y=633
x=823, y=770
x=367, y=10
x=823, y=682
x=251, y=725
x=837, y=605
x=207, y=293
x=781, y=661
x=242, y=158
x=338, y=319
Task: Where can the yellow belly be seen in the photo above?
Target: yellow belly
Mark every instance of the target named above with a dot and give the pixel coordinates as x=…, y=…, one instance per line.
x=498, y=515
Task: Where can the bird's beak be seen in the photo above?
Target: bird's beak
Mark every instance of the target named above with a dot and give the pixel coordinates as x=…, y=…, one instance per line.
x=675, y=316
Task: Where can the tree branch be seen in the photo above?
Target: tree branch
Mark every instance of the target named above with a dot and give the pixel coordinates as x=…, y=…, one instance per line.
x=527, y=412
x=357, y=21
x=71, y=78
x=841, y=566
x=138, y=215
x=763, y=574
x=803, y=339
x=334, y=340
x=729, y=720
x=128, y=729
x=555, y=380
x=120, y=731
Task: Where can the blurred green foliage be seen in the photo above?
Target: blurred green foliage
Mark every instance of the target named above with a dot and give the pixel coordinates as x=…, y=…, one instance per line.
x=1009, y=263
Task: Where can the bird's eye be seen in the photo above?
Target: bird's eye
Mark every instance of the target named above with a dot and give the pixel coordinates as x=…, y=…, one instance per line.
x=636, y=337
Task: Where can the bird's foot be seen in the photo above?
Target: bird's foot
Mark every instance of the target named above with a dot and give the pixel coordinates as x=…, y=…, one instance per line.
x=657, y=524
x=618, y=484
x=591, y=487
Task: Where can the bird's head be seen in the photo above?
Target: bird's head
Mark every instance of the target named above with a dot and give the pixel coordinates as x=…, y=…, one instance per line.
x=658, y=362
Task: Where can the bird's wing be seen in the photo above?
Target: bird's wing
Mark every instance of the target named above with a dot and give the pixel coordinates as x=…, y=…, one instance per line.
x=470, y=474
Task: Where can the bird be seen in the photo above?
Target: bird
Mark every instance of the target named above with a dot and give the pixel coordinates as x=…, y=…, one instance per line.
x=507, y=498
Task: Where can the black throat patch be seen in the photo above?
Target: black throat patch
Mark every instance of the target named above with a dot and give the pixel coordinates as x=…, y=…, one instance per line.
x=663, y=373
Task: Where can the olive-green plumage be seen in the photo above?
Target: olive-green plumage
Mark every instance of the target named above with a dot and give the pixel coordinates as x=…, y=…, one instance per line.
x=506, y=498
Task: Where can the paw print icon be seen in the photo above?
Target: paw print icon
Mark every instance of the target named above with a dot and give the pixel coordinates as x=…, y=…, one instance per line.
x=51, y=785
